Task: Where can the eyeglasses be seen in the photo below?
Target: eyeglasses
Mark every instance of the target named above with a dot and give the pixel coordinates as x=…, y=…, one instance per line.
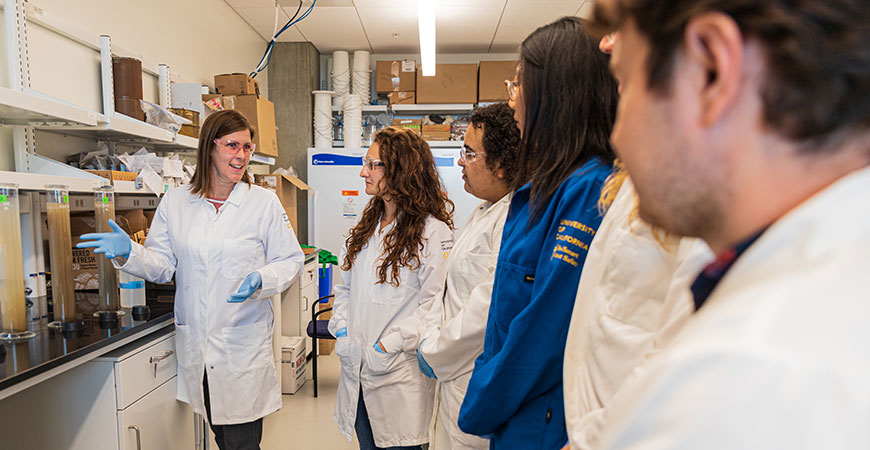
x=234, y=146
x=372, y=164
x=513, y=88
x=469, y=156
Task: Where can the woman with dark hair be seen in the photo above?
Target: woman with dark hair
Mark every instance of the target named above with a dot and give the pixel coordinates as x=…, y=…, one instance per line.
x=393, y=269
x=564, y=100
x=231, y=248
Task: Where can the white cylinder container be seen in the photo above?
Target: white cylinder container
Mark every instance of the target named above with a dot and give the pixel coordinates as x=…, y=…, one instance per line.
x=132, y=290
x=353, y=121
x=323, y=119
x=362, y=75
x=340, y=76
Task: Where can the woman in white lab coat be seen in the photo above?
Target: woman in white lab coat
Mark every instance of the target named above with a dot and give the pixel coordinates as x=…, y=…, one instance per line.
x=231, y=247
x=393, y=268
x=489, y=162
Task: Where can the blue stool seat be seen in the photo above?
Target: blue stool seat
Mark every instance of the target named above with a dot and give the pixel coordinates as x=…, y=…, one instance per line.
x=322, y=329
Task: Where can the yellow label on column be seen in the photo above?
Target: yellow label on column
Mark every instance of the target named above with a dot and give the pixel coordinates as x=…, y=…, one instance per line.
x=66, y=198
x=105, y=200
x=3, y=199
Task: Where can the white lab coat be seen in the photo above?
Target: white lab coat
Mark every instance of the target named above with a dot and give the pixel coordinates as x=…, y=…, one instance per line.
x=778, y=355
x=451, y=351
x=210, y=253
x=632, y=289
x=397, y=395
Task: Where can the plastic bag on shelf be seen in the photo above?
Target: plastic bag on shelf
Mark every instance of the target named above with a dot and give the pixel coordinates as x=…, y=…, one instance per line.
x=159, y=116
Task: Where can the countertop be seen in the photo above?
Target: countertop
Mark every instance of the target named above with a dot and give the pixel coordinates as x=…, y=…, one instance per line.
x=52, y=352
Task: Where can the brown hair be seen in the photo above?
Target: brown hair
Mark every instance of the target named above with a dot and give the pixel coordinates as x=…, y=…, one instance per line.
x=411, y=181
x=818, y=67
x=217, y=125
x=567, y=87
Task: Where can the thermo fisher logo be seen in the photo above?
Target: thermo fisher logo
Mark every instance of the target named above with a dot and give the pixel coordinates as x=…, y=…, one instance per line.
x=330, y=159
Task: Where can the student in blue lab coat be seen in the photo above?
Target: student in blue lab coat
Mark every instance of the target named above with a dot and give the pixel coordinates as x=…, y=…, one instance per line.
x=565, y=102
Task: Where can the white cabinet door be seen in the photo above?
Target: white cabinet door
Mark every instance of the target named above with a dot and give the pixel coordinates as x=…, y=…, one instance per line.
x=157, y=422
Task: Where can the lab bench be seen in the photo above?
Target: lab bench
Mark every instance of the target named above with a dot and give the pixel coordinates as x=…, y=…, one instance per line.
x=111, y=386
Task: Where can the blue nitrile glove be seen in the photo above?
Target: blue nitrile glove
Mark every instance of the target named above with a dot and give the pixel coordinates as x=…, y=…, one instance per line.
x=116, y=243
x=342, y=332
x=424, y=366
x=252, y=282
x=378, y=348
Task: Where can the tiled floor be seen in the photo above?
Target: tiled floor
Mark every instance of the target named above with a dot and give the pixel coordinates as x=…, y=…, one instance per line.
x=306, y=422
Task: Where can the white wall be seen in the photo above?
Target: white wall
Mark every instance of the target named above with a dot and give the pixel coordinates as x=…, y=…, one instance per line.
x=196, y=38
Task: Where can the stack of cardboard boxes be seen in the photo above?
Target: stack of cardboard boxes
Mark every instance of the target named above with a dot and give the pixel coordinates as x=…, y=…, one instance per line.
x=240, y=92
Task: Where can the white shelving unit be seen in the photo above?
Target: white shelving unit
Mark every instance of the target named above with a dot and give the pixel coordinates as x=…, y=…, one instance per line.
x=370, y=109
x=29, y=107
x=457, y=108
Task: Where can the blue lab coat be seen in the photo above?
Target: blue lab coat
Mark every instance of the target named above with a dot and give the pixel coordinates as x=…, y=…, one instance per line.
x=515, y=392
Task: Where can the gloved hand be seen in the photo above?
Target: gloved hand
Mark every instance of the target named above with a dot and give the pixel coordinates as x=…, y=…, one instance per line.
x=424, y=366
x=252, y=282
x=342, y=332
x=380, y=348
x=116, y=243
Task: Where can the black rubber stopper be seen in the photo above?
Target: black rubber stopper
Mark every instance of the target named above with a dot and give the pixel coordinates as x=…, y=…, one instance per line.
x=141, y=312
x=108, y=316
x=72, y=326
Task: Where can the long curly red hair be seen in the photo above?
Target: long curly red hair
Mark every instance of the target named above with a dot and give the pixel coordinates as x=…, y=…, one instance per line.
x=411, y=182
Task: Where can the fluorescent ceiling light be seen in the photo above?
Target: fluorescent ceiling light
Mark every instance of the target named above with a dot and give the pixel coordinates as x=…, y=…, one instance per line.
x=426, y=23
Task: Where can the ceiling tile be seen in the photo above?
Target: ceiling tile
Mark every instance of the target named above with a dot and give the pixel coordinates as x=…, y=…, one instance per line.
x=251, y=3
x=334, y=28
x=520, y=19
x=466, y=29
x=382, y=23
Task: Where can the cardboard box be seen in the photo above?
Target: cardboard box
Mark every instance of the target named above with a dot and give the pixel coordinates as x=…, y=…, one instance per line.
x=286, y=188
x=113, y=175
x=490, y=84
x=436, y=132
x=402, y=98
x=395, y=76
x=452, y=83
x=261, y=113
x=414, y=124
x=84, y=260
x=293, y=364
x=236, y=84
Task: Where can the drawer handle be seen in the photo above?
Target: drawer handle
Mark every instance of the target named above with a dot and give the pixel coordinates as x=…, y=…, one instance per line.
x=138, y=436
x=157, y=359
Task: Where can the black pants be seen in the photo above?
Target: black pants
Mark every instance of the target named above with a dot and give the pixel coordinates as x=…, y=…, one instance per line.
x=241, y=436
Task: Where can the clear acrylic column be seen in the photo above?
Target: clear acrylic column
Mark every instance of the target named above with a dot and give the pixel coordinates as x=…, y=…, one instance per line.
x=104, y=209
x=13, y=305
x=60, y=252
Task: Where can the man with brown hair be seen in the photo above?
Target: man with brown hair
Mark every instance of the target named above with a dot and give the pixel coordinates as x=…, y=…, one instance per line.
x=747, y=123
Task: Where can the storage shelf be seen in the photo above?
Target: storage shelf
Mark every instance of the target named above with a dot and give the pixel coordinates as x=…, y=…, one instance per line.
x=365, y=109
x=262, y=159
x=453, y=108
x=37, y=182
x=126, y=130
x=30, y=107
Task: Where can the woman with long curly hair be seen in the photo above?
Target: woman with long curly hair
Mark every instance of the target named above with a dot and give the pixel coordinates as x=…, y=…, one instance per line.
x=393, y=269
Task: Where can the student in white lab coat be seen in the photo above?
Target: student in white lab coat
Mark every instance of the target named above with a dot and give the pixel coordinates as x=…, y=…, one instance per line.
x=489, y=162
x=746, y=124
x=633, y=296
x=231, y=247
x=393, y=269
